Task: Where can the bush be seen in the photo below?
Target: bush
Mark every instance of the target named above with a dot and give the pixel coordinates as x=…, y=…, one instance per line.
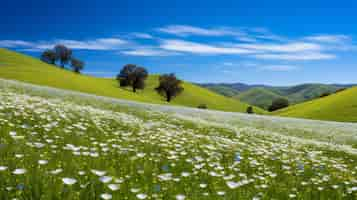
x=278, y=104
x=250, y=110
x=202, y=106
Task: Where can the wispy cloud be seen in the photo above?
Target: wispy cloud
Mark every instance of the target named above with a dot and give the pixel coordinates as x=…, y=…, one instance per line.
x=304, y=56
x=288, y=47
x=147, y=52
x=251, y=43
x=15, y=43
x=185, y=30
x=329, y=38
x=280, y=68
x=241, y=34
x=142, y=35
x=199, y=48
x=96, y=44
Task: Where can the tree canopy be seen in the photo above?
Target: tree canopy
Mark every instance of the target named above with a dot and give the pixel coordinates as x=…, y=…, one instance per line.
x=132, y=75
x=77, y=65
x=49, y=56
x=63, y=54
x=169, y=86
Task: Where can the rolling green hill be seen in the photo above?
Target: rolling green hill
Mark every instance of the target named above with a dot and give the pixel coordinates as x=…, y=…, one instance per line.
x=24, y=68
x=341, y=106
x=263, y=95
x=260, y=97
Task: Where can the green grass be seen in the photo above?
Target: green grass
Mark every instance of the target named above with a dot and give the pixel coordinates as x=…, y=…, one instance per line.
x=336, y=107
x=260, y=97
x=53, y=144
x=20, y=67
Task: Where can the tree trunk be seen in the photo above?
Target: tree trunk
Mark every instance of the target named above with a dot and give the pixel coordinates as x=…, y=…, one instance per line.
x=134, y=89
x=168, y=97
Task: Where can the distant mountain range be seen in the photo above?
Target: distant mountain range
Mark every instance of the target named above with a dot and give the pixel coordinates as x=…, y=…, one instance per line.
x=263, y=95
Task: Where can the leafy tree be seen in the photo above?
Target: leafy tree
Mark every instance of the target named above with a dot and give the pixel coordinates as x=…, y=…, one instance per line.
x=169, y=86
x=77, y=65
x=63, y=54
x=278, y=104
x=250, y=110
x=132, y=75
x=49, y=56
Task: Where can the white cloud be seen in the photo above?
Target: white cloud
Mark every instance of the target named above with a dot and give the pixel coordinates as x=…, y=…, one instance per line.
x=185, y=30
x=147, y=52
x=96, y=44
x=278, y=68
x=329, y=38
x=297, y=56
x=289, y=47
x=198, y=48
x=142, y=35
x=14, y=43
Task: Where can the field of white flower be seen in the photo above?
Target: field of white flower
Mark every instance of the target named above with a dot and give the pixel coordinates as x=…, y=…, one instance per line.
x=57, y=144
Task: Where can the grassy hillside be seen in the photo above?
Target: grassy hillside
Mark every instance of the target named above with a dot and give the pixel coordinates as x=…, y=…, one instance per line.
x=24, y=68
x=223, y=90
x=263, y=96
x=64, y=145
x=341, y=106
x=260, y=97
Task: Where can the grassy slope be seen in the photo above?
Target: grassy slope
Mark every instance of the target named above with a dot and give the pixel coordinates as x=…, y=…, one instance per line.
x=336, y=107
x=24, y=68
x=223, y=90
x=258, y=96
x=262, y=97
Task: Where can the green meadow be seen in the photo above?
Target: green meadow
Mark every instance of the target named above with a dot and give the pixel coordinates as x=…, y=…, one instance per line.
x=20, y=67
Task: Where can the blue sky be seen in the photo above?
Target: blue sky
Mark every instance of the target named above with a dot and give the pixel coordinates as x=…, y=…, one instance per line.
x=269, y=42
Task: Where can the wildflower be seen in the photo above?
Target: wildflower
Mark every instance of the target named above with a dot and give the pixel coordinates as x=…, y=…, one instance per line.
x=180, y=197
x=20, y=186
x=69, y=181
x=19, y=171
x=106, y=196
x=105, y=179
x=141, y=196
x=113, y=187
x=98, y=173
x=42, y=162
x=56, y=171
x=232, y=184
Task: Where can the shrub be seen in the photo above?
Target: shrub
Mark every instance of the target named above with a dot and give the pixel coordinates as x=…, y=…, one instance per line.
x=202, y=106
x=250, y=110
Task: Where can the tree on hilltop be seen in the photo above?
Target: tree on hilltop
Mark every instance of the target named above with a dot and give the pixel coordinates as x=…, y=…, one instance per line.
x=169, y=86
x=49, y=56
x=77, y=65
x=132, y=75
x=63, y=54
